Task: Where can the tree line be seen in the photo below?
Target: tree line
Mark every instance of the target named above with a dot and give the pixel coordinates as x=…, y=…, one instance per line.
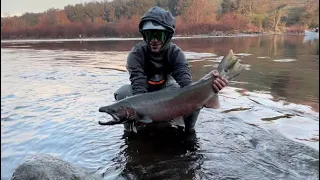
x=120, y=18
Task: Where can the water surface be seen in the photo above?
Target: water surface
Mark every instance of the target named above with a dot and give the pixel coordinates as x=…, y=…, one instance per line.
x=267, y=126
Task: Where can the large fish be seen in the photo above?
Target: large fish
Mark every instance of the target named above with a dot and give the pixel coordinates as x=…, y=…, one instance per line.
x=168, y=104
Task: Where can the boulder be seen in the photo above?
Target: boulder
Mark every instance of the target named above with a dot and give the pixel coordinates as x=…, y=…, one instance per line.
x=47, y=167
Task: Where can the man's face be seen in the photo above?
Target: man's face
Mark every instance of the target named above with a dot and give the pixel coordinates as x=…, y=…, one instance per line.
x=155, y=39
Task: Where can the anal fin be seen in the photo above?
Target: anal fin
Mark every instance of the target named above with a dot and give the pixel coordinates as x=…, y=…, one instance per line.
x=213, y=102
x=145, y=119
x=134, y=129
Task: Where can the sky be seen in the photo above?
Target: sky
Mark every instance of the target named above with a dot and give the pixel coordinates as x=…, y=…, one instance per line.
x=18, y=7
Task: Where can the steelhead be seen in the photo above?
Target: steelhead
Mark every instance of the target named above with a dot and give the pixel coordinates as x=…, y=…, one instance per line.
x=168, y=104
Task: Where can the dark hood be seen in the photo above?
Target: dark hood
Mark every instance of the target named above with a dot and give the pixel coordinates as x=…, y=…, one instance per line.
x=162, y=17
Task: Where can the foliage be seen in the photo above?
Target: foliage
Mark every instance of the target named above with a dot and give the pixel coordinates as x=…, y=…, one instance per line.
x=121, y=18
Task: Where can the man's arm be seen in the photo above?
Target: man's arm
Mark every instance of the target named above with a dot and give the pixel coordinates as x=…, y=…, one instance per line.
x=135, y=66
x=180, y=68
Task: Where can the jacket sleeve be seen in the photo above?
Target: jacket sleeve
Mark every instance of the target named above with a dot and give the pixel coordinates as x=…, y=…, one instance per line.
x=135, y=64
x=180, y=68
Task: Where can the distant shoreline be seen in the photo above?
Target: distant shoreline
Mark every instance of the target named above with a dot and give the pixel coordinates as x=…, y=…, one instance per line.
x=140, y=38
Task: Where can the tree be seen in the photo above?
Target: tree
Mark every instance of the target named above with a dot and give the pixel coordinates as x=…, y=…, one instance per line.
x=31, y=18
x=230, y=5
x=138, y=7
x=310, y=15
x=76, y=13
x=275, y=16
x=120, y=8
x=94, y=10
x=193, y=15
x=61, y=17
x=109, y=14
x=175, y=7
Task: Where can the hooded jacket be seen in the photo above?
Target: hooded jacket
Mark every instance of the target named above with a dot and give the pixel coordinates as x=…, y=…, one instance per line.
x=144, y=65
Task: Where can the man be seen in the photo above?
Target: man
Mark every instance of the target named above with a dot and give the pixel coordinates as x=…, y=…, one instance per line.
x=156, y=63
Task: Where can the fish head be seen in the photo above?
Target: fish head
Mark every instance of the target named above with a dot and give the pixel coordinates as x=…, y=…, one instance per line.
x=230, y=66
x=121, y=113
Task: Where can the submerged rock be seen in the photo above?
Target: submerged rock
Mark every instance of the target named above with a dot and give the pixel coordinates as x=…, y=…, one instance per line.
x=47, y=167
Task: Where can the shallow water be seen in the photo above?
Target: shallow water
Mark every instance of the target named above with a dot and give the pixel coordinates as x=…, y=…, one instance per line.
x=267, y=126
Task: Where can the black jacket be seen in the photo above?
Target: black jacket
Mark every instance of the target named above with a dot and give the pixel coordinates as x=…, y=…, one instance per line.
x=143, y=66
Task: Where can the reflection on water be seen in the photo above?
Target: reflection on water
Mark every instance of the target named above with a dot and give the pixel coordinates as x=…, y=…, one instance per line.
x=161, y=155
x=51, y=92
x=280, y=83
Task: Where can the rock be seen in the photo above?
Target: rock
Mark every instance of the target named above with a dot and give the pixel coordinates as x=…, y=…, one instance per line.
x=46, y=167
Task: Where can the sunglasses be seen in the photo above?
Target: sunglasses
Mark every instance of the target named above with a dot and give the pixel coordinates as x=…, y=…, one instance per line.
x=152, y=34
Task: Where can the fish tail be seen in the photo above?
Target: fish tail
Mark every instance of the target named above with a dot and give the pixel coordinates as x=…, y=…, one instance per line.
x=230, y=67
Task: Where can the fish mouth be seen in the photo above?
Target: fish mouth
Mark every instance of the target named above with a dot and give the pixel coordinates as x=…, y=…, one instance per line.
x=111, y=112
x=116, y=120
x=114, y=116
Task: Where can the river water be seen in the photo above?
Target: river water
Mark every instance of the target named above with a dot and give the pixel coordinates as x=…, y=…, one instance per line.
x=266, y=128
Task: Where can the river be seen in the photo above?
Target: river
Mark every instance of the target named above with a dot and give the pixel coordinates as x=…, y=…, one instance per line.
x=266, y=128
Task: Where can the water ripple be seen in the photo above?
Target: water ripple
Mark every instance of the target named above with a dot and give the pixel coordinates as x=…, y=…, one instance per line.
x=51, y=106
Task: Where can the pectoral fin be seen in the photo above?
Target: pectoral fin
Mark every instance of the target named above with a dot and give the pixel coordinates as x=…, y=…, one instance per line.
x=145, y=119
x=134, y=129
x=213, y=102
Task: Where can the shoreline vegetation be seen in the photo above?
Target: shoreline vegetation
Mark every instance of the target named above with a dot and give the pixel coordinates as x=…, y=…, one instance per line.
x=120, y=19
